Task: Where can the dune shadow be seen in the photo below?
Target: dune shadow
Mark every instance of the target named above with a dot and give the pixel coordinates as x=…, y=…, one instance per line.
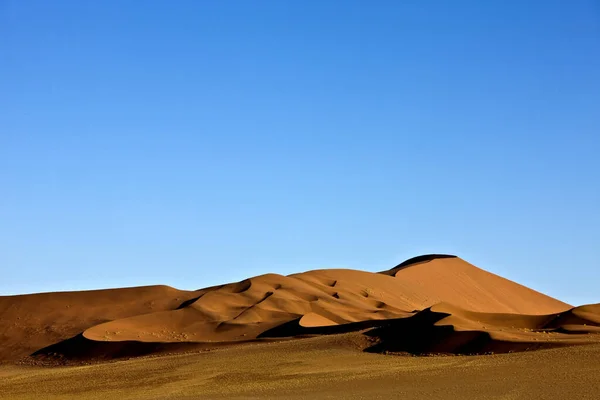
x=79, y=348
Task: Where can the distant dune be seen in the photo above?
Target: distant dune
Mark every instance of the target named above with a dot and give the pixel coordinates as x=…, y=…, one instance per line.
x=31, y=322
x=429, y=304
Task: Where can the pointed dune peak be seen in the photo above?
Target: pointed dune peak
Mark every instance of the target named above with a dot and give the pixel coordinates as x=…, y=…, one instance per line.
x=445, y=278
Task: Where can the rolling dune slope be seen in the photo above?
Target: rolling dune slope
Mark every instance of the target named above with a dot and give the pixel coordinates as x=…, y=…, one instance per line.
x=416, y=296
x=33, y=321
x=246, y=309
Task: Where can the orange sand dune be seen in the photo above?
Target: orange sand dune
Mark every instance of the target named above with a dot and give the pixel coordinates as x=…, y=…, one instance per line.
x=30, y=322
x=126, y=322
x=244, y=310
x=445, y=328
x=435, y=279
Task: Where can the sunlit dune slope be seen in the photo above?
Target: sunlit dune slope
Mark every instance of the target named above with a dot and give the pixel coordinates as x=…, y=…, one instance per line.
x=30, y=322
x=272, y=306
x=244, y=310
x=432, y=279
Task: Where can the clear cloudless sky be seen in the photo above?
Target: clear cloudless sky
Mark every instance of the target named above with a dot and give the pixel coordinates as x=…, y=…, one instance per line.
x=192, y=143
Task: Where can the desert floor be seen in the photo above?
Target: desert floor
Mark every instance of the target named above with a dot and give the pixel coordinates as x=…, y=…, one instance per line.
x=316, y=368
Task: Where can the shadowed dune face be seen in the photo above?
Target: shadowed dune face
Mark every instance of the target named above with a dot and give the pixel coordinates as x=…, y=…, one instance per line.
x=460, y=303
x=444, y=328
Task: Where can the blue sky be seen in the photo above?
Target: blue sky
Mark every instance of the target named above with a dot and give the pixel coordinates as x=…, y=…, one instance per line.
x=192, y=143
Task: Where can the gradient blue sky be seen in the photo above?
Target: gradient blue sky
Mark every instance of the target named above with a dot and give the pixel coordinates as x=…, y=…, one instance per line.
x=192, y=143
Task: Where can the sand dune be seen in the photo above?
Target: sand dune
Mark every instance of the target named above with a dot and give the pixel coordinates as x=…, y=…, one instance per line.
x=445, y=328
x=435, y=279
x=31, y=322
x=432, y=303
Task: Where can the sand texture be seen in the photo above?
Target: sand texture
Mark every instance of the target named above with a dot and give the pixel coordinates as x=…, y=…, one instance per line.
x=435, y=305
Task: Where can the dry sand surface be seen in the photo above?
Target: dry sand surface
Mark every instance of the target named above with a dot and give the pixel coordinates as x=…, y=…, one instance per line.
x=317, y=368
x=324, y=333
